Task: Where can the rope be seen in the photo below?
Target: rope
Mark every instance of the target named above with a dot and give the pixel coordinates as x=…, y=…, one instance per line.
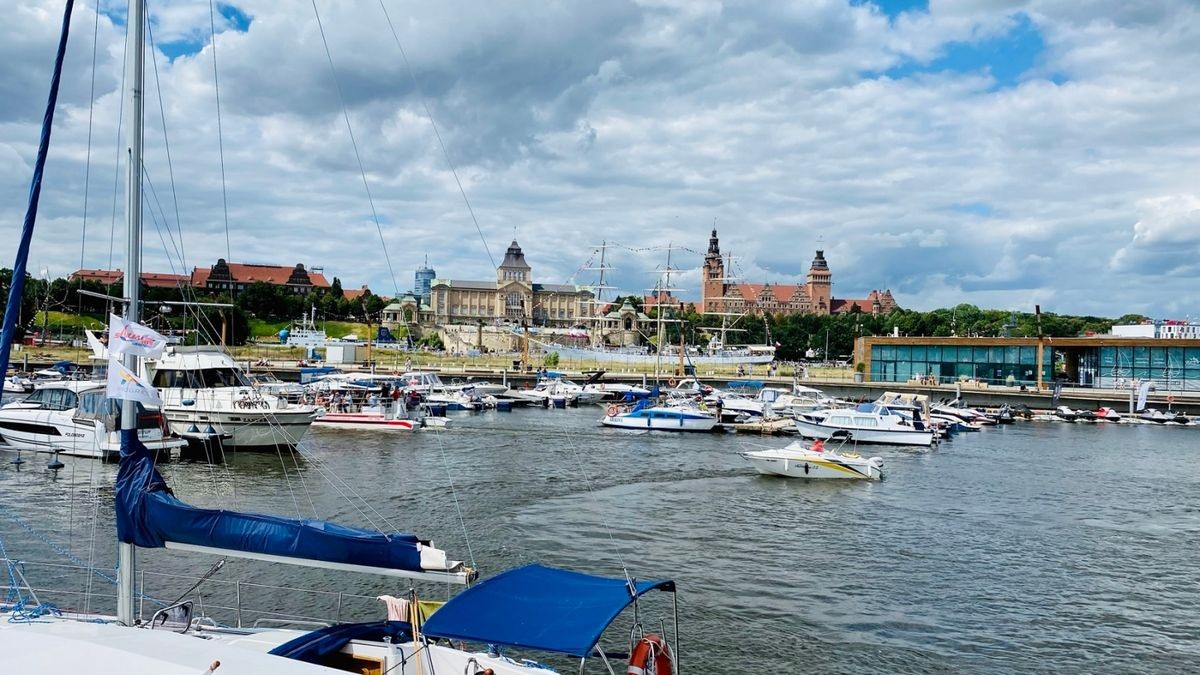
x=436, y=131
x=212, y=25
x=87, y=173
x=112, y=225
x=362, y=172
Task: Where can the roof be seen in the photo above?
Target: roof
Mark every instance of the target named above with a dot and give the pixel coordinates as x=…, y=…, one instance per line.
x=514, y=257
x=465, y=284
x=538, y=607
x=555, y=288
x=150, y=279
x=249, y=273
x=351, y=294
x=781, y=292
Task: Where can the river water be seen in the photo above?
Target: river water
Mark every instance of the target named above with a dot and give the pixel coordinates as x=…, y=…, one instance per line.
x=1031, y=548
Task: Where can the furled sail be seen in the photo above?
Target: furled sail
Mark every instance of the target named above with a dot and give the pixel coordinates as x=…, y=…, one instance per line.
x=150, y=516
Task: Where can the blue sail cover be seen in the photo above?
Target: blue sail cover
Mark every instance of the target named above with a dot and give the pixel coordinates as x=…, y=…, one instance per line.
x=149, y=516
x=313, y=647
x=537, y=607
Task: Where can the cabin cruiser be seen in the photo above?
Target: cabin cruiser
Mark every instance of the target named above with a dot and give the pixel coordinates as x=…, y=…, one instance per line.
x=799, y=400
x=204, y=391
x=815, y=460
x=671, y=417
x=867, y=423
x=75, y=418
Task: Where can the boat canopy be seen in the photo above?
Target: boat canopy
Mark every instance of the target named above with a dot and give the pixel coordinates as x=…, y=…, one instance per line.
x=314, y=646
x=538, y=607
x=745, y=384
x=150, y=516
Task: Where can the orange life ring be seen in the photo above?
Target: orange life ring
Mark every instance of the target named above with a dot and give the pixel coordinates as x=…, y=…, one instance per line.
x=650, y=647
x=612, y=411
x=671, y=382
x=1170, y=398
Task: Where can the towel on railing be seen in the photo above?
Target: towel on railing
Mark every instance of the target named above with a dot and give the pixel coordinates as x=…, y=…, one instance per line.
x=397, y=608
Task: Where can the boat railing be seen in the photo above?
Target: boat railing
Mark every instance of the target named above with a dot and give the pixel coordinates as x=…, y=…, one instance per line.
x=217, y=602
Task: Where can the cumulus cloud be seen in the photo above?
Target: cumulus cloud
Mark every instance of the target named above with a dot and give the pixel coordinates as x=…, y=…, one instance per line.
x=795, y=126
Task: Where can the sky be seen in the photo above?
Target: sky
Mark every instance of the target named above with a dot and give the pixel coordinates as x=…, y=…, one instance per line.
x=1003, y=153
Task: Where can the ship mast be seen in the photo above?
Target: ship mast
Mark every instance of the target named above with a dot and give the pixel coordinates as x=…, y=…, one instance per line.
x=134, y=77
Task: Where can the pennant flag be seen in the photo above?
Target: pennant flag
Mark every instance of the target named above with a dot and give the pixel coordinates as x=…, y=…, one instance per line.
x=1143, y=392
x=125, y=384
x=127, y=337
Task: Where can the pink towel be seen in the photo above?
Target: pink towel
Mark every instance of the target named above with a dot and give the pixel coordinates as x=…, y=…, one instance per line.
x=397, y=608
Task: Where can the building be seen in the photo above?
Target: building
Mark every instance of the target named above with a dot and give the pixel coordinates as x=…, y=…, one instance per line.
x=1102, y=362
x=235, y=277
x=423, y=282
x=149, y=279
x=1168, y=329
x=718, y=294
x=513, y=298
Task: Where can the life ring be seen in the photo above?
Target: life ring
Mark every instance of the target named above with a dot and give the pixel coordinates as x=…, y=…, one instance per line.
x=651, y=647
x=1170, y=398
x=671, y=382
x=612, y=411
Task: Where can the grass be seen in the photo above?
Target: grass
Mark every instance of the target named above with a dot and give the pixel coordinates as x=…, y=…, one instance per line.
x=268, y=330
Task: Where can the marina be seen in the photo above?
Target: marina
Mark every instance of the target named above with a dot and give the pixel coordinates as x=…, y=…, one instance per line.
x=972, y=557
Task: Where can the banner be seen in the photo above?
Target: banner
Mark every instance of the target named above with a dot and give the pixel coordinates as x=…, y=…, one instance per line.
x=1058, y=387
x=124, y=384
x=127, y=337
x=1143, y=392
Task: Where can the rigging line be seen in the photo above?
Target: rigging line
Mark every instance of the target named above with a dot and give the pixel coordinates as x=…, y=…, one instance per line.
x=162, y=113
x=436, y=132
x=87, y=173
x=454, y=494
x=346, y=114
x=212, y=24
x=112, y=226
x=587, y=481
x=153, y=194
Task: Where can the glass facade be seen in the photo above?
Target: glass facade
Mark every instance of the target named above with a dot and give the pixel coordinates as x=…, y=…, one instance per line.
x=1170, y=368
x=989, y=363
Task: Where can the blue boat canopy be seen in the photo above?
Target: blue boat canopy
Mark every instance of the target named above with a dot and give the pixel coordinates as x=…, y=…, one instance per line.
x=745, y=384
x=149, y=516
x=538, y=607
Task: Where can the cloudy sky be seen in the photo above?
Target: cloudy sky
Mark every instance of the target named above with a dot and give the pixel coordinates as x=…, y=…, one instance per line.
x=998, y=152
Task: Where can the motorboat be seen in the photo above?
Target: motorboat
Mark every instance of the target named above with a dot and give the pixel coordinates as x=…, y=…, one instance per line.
x=1108, y=415
x=645, y=415
x=612, y=391
x=204, y=390
x=867, y=423
x=804, y=460
x=1005, y=415
x=1156, y=416
x=15, y=384
x=556, y=384
x=74, y=418
x=799, y=400
x=382, y=415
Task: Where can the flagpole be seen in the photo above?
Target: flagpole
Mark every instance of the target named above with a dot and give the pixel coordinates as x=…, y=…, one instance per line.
x=126, y=553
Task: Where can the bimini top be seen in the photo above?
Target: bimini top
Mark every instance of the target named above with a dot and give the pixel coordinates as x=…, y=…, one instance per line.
x=538, y=607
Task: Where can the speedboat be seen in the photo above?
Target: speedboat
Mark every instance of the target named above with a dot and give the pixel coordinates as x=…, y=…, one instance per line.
x=867, y=423
x=17, y=385
x=675, y=417
x=75, y=418
x=800, y=460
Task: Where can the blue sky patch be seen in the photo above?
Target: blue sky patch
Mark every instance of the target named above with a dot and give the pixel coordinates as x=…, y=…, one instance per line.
x=894, y=8
x=982, y=209
x=1007, y=57
x=235, y=18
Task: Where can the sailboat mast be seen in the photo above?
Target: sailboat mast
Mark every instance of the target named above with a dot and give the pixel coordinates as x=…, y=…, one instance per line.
x=597, y=326
x=134, y=79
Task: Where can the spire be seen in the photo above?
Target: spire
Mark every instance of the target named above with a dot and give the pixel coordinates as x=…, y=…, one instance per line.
x=714, y=248
x=818, y=262
x=514, y=256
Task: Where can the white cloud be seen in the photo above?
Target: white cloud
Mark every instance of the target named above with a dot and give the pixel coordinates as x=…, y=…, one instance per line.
x=639, y=123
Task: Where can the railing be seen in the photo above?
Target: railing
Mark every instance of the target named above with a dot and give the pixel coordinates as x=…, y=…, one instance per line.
x=234, y=603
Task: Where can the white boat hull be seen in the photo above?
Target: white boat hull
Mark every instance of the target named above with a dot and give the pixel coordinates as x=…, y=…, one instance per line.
x=803, y=464
x=659, y=424
x=809, y=429
x=362, y=421
x=244, y=430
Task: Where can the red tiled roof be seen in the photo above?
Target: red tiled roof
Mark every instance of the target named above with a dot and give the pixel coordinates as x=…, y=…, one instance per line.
x=249, y=273
x=353, y=293
x=782, y=292
x=150, y=279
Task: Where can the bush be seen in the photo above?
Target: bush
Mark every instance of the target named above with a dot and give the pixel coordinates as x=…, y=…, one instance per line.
x=551, y=360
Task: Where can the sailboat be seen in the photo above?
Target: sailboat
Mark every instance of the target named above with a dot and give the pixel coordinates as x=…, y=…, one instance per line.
x=532, y=607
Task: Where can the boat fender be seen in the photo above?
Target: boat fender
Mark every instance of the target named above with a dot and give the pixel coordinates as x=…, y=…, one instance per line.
x=611, y=411
x=650, y=648
x=806, y=468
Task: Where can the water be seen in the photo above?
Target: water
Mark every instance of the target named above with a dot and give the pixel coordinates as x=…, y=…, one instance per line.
x=1030, y=548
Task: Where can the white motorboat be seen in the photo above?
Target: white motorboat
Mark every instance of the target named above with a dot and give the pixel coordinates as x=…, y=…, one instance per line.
x=17, y=385
x=385, y=416
x=867, y=423
x=800, y=460
x=645, y=416
x=75, y=418
x=203, y=387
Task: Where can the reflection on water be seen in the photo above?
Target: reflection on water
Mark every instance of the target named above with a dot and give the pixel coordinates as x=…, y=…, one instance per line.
x=1028, y=548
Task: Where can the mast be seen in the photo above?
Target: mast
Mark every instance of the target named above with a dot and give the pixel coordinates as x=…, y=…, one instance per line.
x=598, y=326
x=134, y=76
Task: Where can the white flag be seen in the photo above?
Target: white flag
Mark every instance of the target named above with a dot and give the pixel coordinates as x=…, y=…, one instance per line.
x=127, y=337
x=125, y=384
x=1143, y=392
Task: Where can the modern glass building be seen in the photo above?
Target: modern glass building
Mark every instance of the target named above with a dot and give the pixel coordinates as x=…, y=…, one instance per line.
x=1105, y=362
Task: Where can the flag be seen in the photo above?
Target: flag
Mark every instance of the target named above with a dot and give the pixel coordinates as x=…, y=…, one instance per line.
x=125, y=384
x=1058, y=387
x=1143, y=392
x=127, y=337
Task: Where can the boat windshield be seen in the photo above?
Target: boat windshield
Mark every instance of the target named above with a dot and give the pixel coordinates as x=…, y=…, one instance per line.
x=206, y=378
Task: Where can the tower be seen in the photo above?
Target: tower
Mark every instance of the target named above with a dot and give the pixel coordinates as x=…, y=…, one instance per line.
x=712, y=291
x=423, y=281
x=820, y=283
x=514, y=283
